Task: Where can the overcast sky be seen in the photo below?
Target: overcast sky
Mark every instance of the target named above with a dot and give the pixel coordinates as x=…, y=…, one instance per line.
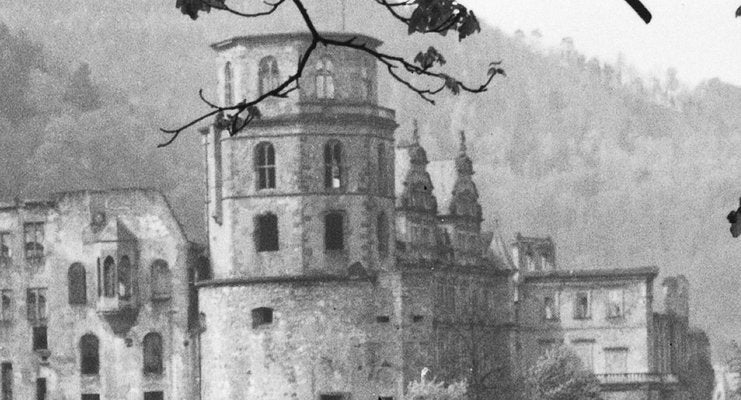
x=700, y=38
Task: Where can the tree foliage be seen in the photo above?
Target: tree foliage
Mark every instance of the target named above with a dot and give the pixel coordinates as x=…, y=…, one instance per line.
x=433, y=389
x=560, y=375
x=81, y=92
x=420, y=16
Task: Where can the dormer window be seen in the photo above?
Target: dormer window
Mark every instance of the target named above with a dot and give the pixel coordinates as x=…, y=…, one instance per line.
x=324, y=78
x=268, y=75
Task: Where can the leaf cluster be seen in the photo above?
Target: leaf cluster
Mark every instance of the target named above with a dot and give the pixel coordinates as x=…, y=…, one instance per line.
x=433, y=389
x=560, y=375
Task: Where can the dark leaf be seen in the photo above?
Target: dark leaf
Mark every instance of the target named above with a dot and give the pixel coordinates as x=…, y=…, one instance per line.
x=469, y=25
x=429, y=58
x=738, y=12
x=494, y=69
x=452, y=84
x=192, y=7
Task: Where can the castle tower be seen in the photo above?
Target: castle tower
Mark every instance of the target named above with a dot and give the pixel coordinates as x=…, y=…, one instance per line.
x=300, y=209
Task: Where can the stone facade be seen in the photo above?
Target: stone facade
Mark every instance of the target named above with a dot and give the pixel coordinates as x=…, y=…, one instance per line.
x=61, y=298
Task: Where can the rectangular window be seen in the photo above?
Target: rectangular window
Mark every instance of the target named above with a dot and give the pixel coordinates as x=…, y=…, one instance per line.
x=333, y=396
x=90, y=396
x=616, y=360
x=615, y=303
x=383, y=319
x=36, y=305
x=39, y=338
x=41, y=389
x=551, y=307
x=266, y=232
x=262, y=316
x=154, y=396
x=334, y=231
x=5, y=246
x=6, y=310
x=7, y=381
x=582, y=306
x=585, y=350
x=34, y=241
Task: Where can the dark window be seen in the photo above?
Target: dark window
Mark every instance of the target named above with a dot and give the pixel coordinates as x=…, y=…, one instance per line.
x=334, y=231
x=550, y=308
x=7, y=305
x=366, y=83
x=76, y=284
x=154, y=396
x=40, y=388
x=581, y=306
x=39, y=338
x=418, y=318
x=90, y=396
x=262, y=316
x=152, y=353
x=36, y=305
x=89, y=357
x=161, y=280
x=382, y=234
x=324, y=79
x=266, y=232
x=383, y=319
x=331, y=397
x=333, y=164
x=265, y=165
x=382, y=178
x=385, y=398
x=228, y=84
x=124, y=278
x=268, y=74
x=5, y=244
x=34, y=237
x=109, y=277
x=7, y=381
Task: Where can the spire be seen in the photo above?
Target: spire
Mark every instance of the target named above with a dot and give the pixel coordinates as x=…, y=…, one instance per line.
x=465, y=200
x=462, y=149
x=417, y=192
x=463, y=163
x=415, y=133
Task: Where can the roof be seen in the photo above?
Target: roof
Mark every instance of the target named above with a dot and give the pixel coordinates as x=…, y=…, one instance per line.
x=588, y=274
x=286, y=36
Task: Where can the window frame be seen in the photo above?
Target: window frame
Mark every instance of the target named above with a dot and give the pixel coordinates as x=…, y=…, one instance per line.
x=76, y=287
x=153, y=352
x=161, y=280
x=6, y=249
x=228, y=84
x=262, y=316
x=324, y=82
x=87, y=354
x=382, y=234
x=268, y=74
x=36, y=310
x=555, y=315
x=610, y=312
x=265, y=166
x=6, y=311
x=35, y=231
x=334, y=166
x=587, y=314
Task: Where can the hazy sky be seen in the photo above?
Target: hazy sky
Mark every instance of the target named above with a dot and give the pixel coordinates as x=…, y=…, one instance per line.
x=700, y=38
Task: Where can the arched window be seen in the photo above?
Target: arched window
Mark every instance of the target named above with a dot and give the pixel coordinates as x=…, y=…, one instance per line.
x=265, y=165
x=334, y=235
x=77, y=284
x=266, y=232
x=124, y=278
x=228, y=84
x=161, y=280
x=382, y=234
x=89, y=356
x=268, y=74
x=324, y=79
x=333, y=164
x=109, y=277
x=152, y=348
x=382, y=179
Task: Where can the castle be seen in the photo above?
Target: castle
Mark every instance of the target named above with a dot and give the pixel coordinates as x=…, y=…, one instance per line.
x=341, y=263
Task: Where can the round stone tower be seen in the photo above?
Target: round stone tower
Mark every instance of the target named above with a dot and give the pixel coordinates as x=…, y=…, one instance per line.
x=300, y=208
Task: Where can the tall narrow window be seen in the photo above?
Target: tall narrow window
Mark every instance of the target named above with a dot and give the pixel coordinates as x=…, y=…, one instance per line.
x=34, y=239
x=268, y=74
x=40, y=388
x=89, y=356
x=266, y=232
x=152, y=353
x=333, y=164
x=7, y=305
x=36, y=305
x=161, y=280
x=615, y=303
x=551, y=308
x=39, y=338
x=228, y=84
x=76, y=284
x=334, y=235
x=5, y=254
x=7, y=380
x=382, y=176
x=581, y=306
x=109, y=277
x=324, y=79
x=90, y=396
x=366, y=83
x=265, y=164
x=382, y=234
x=124, y=278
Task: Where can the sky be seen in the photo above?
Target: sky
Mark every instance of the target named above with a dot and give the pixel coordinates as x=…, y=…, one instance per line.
x=700, y=38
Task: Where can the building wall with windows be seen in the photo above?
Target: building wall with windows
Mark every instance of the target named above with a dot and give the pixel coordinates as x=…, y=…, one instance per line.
x=73, y=328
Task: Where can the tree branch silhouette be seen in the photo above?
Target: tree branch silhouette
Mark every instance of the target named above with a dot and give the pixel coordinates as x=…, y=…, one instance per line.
x=420, y=16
